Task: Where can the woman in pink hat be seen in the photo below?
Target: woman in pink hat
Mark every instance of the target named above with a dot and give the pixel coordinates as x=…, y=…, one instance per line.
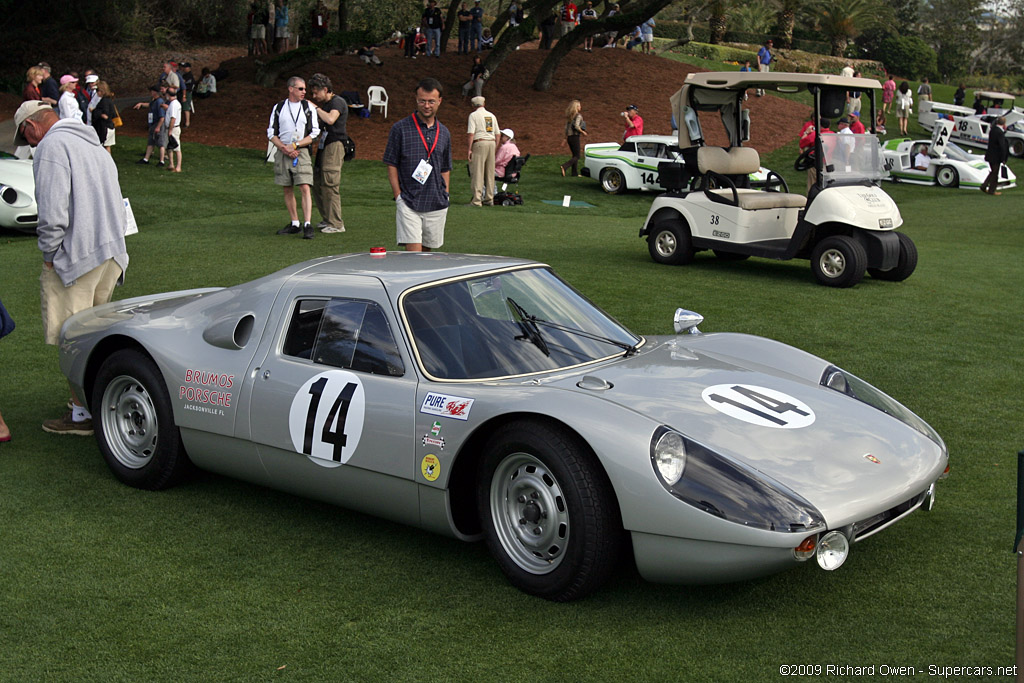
x=67, y=105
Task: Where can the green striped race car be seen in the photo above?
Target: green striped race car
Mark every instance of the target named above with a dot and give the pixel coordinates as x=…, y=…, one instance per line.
x=939, y=162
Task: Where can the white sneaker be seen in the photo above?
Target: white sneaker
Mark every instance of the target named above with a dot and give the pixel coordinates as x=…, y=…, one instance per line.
x=330, y=229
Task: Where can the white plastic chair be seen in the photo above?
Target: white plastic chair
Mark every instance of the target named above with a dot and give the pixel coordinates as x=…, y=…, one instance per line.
x=378, y=97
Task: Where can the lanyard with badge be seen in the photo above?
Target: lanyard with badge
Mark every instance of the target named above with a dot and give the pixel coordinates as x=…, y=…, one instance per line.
x=424, y=169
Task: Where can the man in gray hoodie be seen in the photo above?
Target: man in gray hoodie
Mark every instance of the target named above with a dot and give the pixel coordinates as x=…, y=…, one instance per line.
x=81, y=227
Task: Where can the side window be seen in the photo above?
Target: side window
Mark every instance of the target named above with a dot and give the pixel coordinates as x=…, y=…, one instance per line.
x=646, y=149
x=344, y=333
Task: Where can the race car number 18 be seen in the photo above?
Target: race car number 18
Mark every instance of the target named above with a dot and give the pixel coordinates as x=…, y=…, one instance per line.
x=326, y=417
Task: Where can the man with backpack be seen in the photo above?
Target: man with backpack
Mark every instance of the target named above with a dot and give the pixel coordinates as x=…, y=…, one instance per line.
x=293, y=128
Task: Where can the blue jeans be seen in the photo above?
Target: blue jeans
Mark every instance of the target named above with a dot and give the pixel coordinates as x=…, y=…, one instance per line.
x=476, y=35
x=463, y=48
x=434, y=42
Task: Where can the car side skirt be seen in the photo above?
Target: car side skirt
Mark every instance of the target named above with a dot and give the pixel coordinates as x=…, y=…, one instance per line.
x=666, y=559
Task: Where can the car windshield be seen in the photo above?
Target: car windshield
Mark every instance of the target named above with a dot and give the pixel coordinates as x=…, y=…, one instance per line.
x=507, y=324
x=851, y=158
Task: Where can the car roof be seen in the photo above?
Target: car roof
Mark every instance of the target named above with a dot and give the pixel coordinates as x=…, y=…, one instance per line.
x=403, y=269
x=785, y=82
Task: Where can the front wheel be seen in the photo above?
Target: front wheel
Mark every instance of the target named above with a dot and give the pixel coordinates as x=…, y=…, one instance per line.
x=134, y=422
x=548, y=512
x=839, y=261
x=669, y=242
x=905, y=266
x=613, y=181
x=947, y=176
x=1017, y=147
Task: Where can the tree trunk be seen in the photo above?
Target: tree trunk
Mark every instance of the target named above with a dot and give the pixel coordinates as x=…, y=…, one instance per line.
x=718, y=25
x=787, y=19
x=451, y=21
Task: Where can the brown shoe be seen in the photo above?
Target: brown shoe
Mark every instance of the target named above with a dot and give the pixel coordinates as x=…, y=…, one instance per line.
x=65, y=425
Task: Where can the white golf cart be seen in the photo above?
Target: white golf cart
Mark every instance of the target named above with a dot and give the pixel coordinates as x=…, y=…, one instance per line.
x=971, y=127
x=845, y=225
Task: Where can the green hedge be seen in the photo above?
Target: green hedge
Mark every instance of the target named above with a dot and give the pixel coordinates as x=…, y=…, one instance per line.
x=676, y=30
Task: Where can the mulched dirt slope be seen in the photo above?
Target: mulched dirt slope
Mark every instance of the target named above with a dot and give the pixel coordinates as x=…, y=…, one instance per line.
x=605, y=81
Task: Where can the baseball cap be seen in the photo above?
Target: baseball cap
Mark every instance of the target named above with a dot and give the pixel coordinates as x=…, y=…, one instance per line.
x=855, y=113
x=478, y=101
x=67, y=78
x=633, y=107
x=92, y=78
x=845, y=120
x=507, y=132
x=26, y=110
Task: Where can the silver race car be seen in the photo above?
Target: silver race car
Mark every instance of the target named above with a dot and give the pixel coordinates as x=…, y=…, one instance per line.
x=484, y=397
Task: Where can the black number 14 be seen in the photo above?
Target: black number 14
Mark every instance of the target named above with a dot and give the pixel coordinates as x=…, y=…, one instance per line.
x=333, y=430
x=769, y=403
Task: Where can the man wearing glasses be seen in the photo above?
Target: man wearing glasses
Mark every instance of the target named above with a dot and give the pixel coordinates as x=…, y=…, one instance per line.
x=419, y=160
x=293, y=128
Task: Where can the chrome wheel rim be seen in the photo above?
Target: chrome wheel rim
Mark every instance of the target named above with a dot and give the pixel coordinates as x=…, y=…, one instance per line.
x=665, y=243
x=530, y=513
x=129, y=422
x=612, y=180
x=832, y=262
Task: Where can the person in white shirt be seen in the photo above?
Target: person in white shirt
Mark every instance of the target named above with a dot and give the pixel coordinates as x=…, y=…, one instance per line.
x=293, y=128
x=67, y=105
x=921, y=159
x=207, y=85
x=172, y=122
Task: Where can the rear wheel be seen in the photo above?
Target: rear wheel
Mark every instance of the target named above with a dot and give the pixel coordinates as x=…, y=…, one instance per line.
x=947, y=176
x=669, y=242
x=839, y=261
x=1017, y=147
x=134, y=422
x=906, y=265
x=613, y=181
x=548, y=513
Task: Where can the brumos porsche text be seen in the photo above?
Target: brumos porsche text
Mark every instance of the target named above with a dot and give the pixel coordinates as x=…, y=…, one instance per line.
x=208, y=387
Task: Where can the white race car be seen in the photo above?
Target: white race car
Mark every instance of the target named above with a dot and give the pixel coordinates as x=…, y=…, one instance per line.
x=949, y=165
x=633, y=165
x=972, y=128
x=17, y=195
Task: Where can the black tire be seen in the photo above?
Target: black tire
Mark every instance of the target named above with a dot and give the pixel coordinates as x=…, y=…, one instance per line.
x=947, y=176
x=906, y=265
x=134, y=422
x=730, y=255
x=668, y=242
x=613, y=181
x=548, y=512
x=507, y=202
x=839, y=261
x=1016, y=147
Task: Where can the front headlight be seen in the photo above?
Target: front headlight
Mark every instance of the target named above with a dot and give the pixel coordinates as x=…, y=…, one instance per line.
x=854, y=387
x=669, y=455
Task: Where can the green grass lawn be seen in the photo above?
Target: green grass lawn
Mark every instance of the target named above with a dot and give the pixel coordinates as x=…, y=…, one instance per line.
x=219, y=580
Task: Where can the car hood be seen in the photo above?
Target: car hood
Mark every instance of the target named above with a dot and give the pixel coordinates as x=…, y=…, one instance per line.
x=17, y=173
x=848, y=458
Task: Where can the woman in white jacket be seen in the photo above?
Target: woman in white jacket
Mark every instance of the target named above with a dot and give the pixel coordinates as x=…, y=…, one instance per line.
x=904, y=102
x=67, y=105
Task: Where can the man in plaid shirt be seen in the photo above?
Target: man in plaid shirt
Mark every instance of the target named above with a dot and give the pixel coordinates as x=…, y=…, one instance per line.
x=419, y=160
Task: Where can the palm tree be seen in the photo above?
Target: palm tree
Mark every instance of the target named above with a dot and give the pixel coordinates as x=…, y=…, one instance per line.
x=788, y=10
x=753, y=17
x=718, y=20
x=842, y=20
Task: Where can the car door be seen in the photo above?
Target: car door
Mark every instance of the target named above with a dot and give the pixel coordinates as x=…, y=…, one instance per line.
x=333, y=398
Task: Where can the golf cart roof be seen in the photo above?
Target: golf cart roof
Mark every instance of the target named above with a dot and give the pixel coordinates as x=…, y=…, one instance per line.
x=991, y=95
x=783, y=82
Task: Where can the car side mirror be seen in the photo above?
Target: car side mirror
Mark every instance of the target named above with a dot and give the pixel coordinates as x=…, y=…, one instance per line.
x=685, y=322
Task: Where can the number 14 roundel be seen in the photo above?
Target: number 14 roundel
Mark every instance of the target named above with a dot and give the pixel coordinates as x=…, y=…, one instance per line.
x=326, y=417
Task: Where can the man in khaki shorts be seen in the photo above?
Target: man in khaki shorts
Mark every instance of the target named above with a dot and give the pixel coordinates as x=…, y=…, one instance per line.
x=293, y=128
x=419, y=160
x=482, y=136
x=81, y=227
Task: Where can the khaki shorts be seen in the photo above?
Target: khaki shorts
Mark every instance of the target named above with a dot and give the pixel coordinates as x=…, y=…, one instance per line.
x=287, y=175
x=111, y=138
x=425, y=228
x=259, y=31
x=60, y=303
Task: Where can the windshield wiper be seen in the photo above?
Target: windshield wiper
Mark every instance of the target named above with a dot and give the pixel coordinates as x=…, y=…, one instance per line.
x=528, y=324
x=630, y=349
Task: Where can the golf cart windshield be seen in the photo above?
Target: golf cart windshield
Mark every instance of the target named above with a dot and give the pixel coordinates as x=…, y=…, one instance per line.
x=851, y=158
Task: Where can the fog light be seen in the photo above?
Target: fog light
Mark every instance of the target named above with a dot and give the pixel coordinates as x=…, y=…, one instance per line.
x=832, y=551
x=805, y=550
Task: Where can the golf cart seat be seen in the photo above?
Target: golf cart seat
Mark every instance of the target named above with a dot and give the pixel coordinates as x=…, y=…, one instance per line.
x=730, y=170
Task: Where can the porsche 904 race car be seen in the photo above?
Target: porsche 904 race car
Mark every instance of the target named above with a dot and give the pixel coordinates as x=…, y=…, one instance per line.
x=17, y=195
x=971, y=127
x=949, y=165
x=633, y=164
x=483, y=397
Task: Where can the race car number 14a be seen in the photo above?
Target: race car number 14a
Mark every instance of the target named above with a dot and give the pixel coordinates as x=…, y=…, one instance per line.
x=326, y=417
x=759, y=405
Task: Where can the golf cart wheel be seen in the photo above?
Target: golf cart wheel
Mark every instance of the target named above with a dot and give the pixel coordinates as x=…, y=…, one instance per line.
x=1017, y=147
x=839, y=261
x=669, y=242
x=906, y=265
x=947, y=176
x=549, y=516
x=730, y=255
x=507, y=202
x=612, y=181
